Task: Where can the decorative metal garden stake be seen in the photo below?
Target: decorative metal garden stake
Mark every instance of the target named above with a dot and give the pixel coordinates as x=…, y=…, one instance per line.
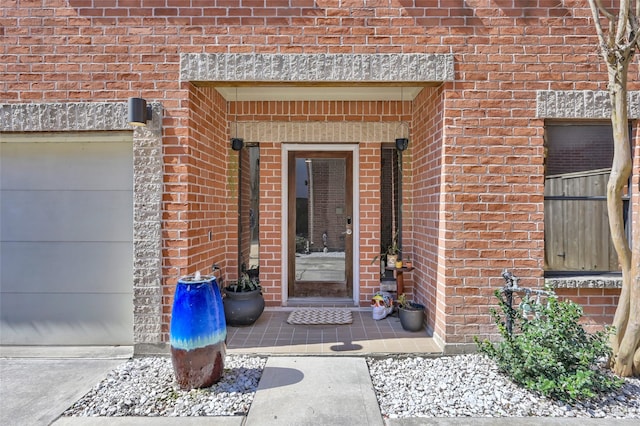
x=511, y=286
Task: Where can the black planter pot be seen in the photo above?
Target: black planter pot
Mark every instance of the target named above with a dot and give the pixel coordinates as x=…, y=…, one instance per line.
x=412, y=319
x=242, y=308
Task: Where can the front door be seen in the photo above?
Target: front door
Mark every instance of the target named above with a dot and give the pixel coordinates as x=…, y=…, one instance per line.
x=320, y=224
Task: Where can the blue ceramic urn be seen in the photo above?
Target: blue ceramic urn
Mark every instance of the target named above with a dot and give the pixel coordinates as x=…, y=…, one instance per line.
x=198, y=332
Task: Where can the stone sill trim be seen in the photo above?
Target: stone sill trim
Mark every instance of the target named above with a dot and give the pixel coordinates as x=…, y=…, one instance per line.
x=585, y=281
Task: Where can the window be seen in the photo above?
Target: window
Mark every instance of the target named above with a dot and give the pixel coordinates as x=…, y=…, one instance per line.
x=577, y=168
x=390, y=208
x=249, y=206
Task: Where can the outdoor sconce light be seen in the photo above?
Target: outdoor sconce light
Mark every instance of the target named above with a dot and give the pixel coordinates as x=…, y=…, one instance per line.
x=402, y=144
x=237, y=144
x=139, y=112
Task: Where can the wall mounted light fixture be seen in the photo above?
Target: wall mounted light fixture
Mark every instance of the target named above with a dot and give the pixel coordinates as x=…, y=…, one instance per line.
x=237, y=144
x=402, y=144
x=139, y=112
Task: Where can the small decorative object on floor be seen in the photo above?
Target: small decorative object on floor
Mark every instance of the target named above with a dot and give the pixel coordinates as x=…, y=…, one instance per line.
x=316, y=316
x=198, y=332
x=382, y=305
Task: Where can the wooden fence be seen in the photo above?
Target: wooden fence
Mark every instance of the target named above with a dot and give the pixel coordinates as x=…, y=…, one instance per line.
x=576, y=224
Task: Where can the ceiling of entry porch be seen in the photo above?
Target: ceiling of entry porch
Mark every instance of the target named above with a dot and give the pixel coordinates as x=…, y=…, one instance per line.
x=318, y=93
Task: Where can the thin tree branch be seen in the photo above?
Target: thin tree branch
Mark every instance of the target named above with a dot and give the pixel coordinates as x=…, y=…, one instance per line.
x=623, y=15
x=610, y=16
x=607, y=40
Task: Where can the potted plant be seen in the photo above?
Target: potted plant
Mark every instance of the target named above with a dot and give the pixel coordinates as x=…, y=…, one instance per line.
x=243, y=301
x=393, y=252
x=411, y=313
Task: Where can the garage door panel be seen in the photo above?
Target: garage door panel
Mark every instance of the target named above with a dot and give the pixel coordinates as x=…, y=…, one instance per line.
x=38, y=166
x=66, y=238
x=66, y=319
x=45, y=215
x=35, y=267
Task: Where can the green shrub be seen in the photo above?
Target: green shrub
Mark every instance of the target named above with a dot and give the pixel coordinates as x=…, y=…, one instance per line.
x=550, y=352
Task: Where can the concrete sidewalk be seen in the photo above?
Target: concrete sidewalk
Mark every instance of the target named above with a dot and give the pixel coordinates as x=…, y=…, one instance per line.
x=38, y=384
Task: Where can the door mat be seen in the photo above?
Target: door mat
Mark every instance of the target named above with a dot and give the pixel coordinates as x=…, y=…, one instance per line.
x=315, y=316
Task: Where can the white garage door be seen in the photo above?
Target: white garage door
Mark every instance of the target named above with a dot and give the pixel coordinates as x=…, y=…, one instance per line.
x=66, y=239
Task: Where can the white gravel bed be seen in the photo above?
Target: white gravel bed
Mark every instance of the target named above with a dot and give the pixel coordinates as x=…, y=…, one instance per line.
x=147, y=387
x=471, y=386
x=456, y=386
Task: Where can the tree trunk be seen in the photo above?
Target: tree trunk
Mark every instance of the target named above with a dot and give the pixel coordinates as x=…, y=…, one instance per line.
x=626, y=340
x=617, y=45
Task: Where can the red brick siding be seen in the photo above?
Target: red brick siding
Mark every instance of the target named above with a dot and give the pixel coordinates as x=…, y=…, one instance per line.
x=599, y=304
x=424, y=202
x=325, y=111
x=492, y=200
x=369, y=221
x=271, y=222
x=196, y=200
x=490, y=141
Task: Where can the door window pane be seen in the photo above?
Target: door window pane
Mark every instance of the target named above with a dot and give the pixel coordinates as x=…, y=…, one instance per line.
x=320, y=219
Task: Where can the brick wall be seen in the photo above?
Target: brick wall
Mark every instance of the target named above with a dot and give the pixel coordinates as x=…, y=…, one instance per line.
x=85, y=51
x=196, y=199
x=270, y=222
x=424, y=203
x=490, y=142
x=599, y=304
x=369, y=221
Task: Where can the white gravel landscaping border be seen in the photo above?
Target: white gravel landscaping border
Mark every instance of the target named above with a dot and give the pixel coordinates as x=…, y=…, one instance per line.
x=147, y=387
x=454, y=386
x=472, y=386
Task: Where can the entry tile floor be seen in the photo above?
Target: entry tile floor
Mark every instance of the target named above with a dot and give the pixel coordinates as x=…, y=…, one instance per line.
x=272, y=335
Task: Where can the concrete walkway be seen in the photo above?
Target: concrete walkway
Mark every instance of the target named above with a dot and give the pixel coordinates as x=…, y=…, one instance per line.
x=38, y=384
x=315, y=391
